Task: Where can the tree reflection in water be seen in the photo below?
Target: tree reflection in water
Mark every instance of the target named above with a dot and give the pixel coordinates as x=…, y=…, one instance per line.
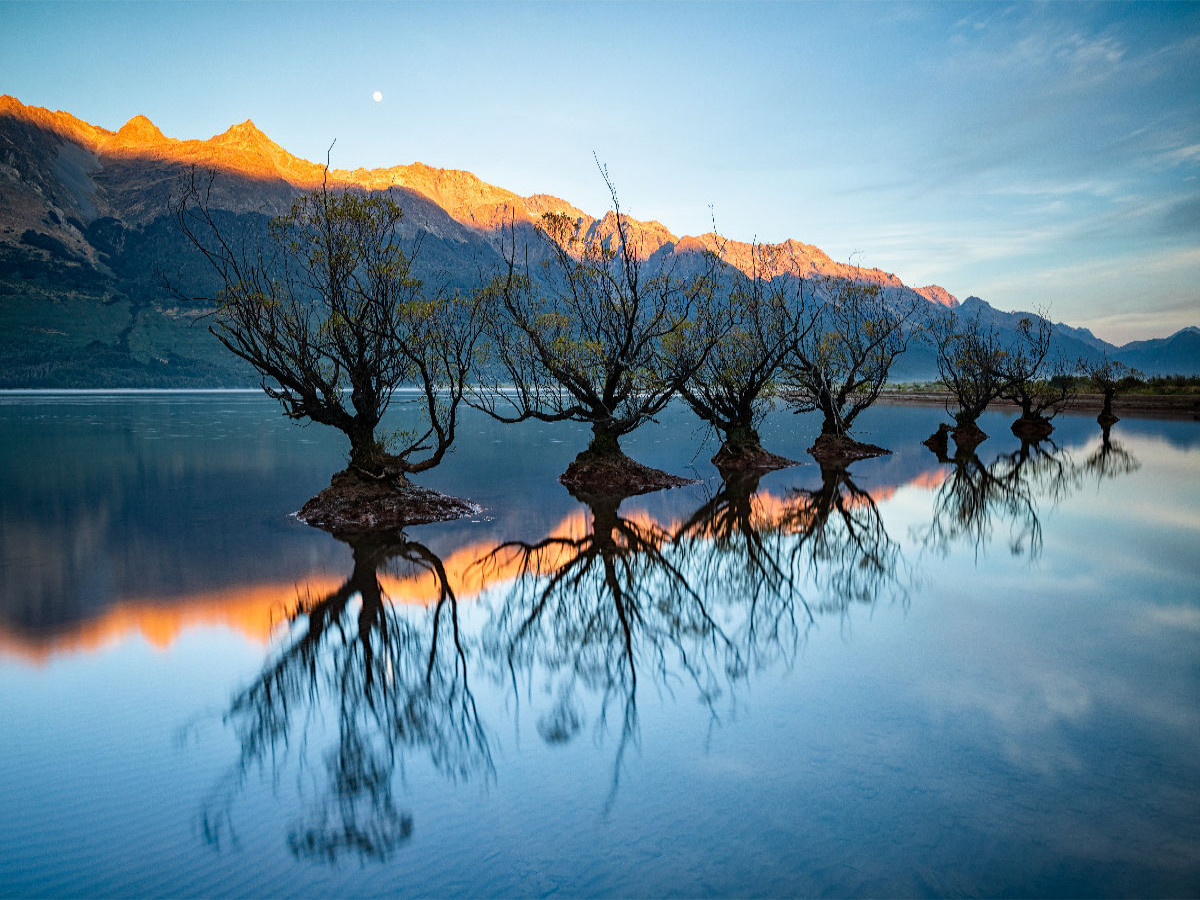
x=838, y=537
x=374, y=680
x=736, y=550
x=587, y=617
x=590, y=612
x=1110, y=459
x=975, y=498
x=590, y=615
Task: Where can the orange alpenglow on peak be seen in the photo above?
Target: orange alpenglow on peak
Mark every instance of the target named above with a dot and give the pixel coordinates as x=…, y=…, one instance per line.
x=938, y=294
x=140, y=131
x=243, y=134
x=245, y=150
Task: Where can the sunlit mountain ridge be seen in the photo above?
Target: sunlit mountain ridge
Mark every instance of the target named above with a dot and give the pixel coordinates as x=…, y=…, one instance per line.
x=245, y=150
x=87, y=248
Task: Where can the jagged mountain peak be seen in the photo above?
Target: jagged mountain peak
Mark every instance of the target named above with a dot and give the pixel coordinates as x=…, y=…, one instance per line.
x=539, y=204
x=244, y=135
x=244, y=149
x=82, y=206
x=140, y=131
x=935, y=293
x=56, y=121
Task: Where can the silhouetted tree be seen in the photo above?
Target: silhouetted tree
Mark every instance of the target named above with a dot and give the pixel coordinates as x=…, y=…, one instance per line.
x=1111, y=377
x=324, y=305
x=1032, y=381
x=969, y=357
x=600, y=335
x=839, y=365
x=739, y=377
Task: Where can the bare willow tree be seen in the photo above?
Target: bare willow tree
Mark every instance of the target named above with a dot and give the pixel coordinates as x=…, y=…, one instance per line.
x=1040, y=386
x=969, y=360
x=739, y=378
x=1111, y=377
x=600, y=335
x=839, y=365
x=323, y=303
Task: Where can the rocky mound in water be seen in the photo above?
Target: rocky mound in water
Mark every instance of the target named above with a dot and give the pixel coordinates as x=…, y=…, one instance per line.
x=749, y=460
x=835, y=449
x=359, y=504
x=616, y=476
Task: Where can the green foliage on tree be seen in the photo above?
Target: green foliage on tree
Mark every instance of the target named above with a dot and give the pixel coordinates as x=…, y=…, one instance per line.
x=596, y=333
x=1111, y=378
x=739, y=378
x=324, y=305
x=1041, y=387
x=970, y=364
x=839, y=365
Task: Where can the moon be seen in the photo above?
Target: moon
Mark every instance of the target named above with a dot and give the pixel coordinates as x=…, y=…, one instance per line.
x=377, y=96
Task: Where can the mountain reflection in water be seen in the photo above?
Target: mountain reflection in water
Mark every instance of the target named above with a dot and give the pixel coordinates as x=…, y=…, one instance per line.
x=819, y=681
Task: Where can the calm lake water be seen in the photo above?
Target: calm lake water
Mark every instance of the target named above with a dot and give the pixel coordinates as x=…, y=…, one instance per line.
x=909, y=678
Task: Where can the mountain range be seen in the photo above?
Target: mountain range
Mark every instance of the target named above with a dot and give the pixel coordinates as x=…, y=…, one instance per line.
x=86, y=238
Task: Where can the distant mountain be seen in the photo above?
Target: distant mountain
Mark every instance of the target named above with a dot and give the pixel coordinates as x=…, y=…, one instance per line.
x=1164, y=356
x=1070, y=344
x=1178, y=354
x=939, y=295
x=86, y=239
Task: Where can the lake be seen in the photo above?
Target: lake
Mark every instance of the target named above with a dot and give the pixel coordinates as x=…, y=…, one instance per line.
x=907, y=678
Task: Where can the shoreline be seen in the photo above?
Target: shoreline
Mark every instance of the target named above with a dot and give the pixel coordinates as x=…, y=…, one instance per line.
x=1174, y=406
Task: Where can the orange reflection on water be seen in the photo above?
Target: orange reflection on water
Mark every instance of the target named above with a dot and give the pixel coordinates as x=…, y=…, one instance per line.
x=255, y=610
x=251, y=610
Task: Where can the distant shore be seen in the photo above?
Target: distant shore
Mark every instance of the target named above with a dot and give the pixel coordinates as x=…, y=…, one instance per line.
x=1185, y=406
x=1174, y=406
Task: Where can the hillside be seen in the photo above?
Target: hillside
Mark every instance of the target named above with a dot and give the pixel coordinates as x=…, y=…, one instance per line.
x=87, y=248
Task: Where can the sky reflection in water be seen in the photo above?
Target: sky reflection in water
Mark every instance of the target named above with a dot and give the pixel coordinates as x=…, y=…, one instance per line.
x=912, y=677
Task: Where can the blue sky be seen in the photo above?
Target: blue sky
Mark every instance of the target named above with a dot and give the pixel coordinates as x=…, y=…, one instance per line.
x=1035, y=155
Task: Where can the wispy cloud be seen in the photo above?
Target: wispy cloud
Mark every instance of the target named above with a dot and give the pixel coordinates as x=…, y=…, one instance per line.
x=1056, y=188
x=1190, y=153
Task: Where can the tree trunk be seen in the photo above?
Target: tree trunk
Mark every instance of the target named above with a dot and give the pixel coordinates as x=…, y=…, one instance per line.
x=1032, y=427
x=1106, y=417
x=605, y=441
x=939, y=442
x=740, y=438
x=742, y=450
x=968, y=435
x=365, y=454
x=830, y=424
